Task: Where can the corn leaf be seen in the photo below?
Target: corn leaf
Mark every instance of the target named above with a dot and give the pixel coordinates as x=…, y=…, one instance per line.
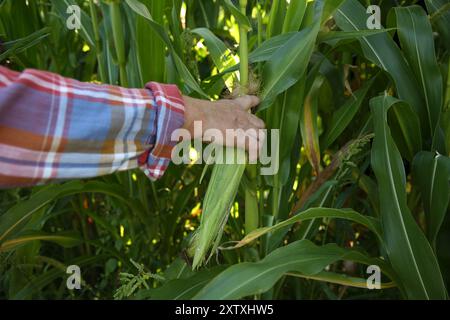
x=330, y=6
x=289, y=63
x=431, y=172
x=216, y=47
x=65, y=239
x=408, y=249
x=303, y=256
x=218, y=51
x=240, y=17
x=151, y=50
x=405, y=128
x=344, y=115
x=13, y=221
x=262, y=53
x=441, y=18
x=183, y=71
x=44, y=279
x=294, y=15
x=291, y=105
x=22, y=44
x=333, y=37
x=85, y=24
x=416, y=38
x=182, y=289
x=371, y=223
x=267, y=49
x=382, y=50
x=341, y=279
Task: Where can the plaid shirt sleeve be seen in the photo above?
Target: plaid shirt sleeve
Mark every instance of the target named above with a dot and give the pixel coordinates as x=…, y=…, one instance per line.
x=54, y=128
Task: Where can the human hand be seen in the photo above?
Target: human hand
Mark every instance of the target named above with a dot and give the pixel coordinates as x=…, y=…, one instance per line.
x=226, y=114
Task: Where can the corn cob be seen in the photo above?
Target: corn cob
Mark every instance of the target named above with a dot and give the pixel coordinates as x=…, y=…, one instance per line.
x=222, y=189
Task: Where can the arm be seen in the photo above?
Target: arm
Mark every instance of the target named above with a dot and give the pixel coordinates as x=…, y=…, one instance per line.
x=53, y=128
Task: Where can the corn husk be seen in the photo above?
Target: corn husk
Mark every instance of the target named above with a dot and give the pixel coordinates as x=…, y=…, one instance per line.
x=222, y=189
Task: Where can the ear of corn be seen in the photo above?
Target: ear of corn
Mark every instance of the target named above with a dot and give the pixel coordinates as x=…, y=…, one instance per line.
x=225, y=180
x=216, y=206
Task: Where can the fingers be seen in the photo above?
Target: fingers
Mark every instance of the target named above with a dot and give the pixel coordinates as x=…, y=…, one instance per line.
x=247, y=102
x=245, y=120
x=245, y=129
x=256, y=122
x=251, y=140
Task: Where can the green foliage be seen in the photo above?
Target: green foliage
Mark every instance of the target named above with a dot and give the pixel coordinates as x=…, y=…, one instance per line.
x=409, y=251
x=364, y=154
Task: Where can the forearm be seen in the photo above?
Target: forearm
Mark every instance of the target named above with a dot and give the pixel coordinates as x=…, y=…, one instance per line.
x=54, y=128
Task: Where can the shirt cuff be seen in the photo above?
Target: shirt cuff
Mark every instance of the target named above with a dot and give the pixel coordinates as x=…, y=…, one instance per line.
x=169, y=117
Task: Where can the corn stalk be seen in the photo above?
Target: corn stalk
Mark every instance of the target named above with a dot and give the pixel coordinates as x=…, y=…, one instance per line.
x=251, y=200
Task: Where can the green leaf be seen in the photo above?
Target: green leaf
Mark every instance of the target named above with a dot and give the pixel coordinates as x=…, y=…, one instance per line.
x=333, y=37
x=341, y=279
x=291, y=105
x=405, y=129
x=431, y=172
x=344, y=115
x=241, y=19
x=294, y=15
x=267, y=49
x=183, y=289
x=369, y=186
x=134, y=64
x=215, y=46
x=262, y=53
x=440, y=18
x=86, y=29
x=248, y=278
x=382, y=50
x=219, y=53
x=64, y=239
x=22, y=44
x=159, y=30
x=371, y=223
x=151, y=50
x=44, y=279
x=408, y=249
x=140, y=8
x=416, y=38
x=13, y=221
x=445, y=124
x=288, y=64
x=329, y=8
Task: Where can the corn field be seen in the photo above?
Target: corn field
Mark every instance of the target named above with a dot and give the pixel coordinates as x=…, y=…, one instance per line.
x=363, y=183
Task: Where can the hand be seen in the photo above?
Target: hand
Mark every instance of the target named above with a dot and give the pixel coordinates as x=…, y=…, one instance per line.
x=226, y=114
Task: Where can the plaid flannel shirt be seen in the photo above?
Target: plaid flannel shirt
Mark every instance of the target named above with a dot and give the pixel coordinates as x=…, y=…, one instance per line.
x=54, y=128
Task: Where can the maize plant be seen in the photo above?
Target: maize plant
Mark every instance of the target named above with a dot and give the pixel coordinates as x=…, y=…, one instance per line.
x=364, y=142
